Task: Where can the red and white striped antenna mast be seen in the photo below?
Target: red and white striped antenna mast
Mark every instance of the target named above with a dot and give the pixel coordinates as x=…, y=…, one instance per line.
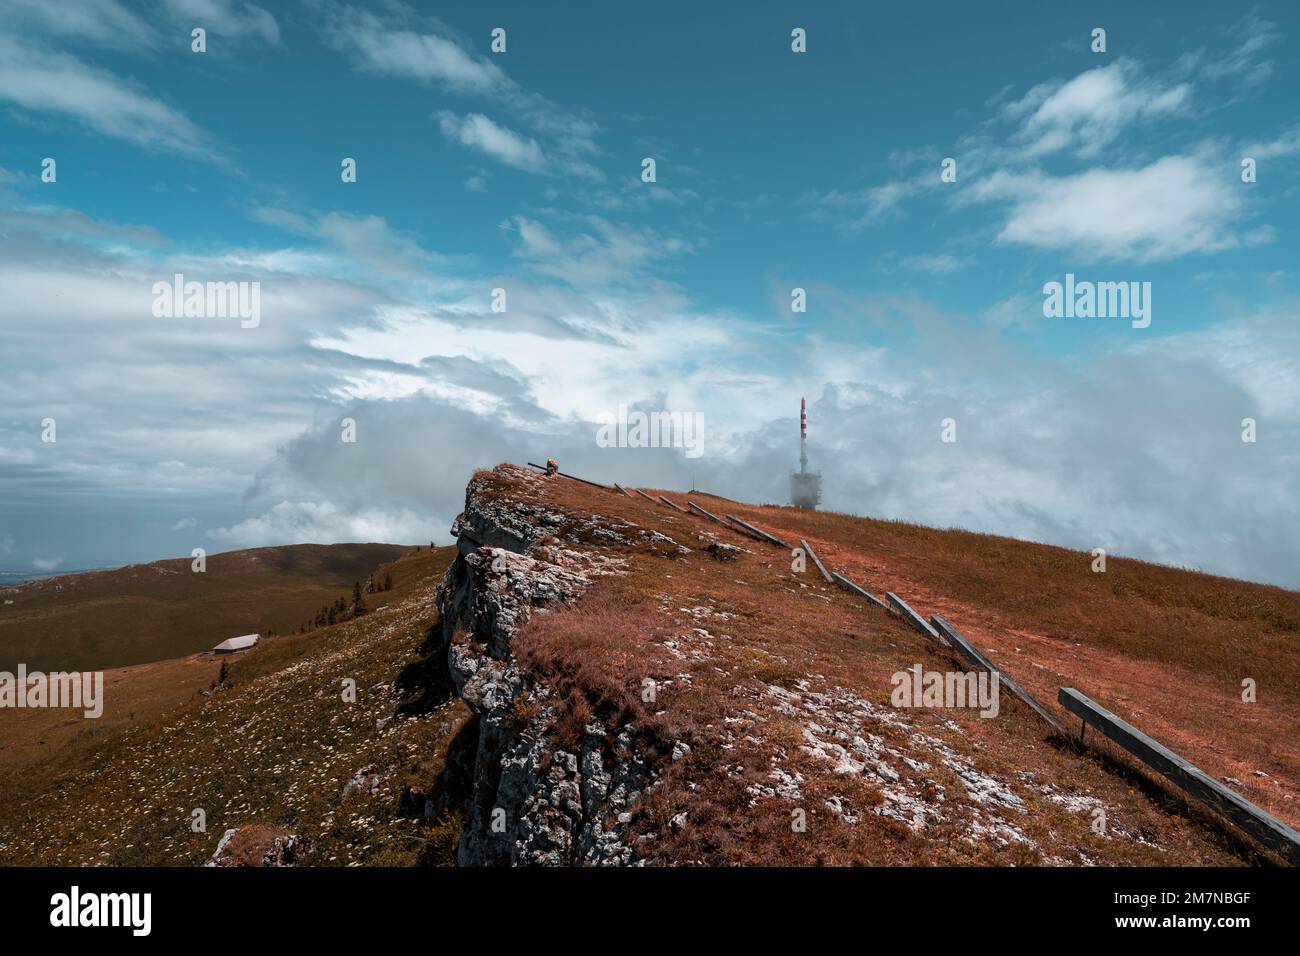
x=803, y=435
x=805, y=485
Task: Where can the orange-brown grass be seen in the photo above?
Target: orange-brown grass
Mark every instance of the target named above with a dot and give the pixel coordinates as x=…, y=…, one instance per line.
x=51, y=741
x=1164, y=648
x=1004, y=595
x=164, y=610
x=271, y=747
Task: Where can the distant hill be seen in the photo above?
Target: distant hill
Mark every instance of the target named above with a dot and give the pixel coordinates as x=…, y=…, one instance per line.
x=264, y=747
x=152, y=612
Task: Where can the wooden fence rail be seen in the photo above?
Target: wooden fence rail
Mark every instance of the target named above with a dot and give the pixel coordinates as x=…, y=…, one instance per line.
x=1270, y=831
x=972, y=654
x=693, y=506
x=594, y=484
x=848, y=585
x=911, y=617
x=758, y=531
x=808, y=550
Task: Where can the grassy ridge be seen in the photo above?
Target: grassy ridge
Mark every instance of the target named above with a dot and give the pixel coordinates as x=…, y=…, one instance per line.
x=275, y=745
x=153, y=612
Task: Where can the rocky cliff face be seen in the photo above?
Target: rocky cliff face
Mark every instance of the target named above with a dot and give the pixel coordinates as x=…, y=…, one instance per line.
x=718, y=704
x=533, y=801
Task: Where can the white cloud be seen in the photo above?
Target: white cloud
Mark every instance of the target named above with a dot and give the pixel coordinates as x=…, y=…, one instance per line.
x=378, y=45
x=1280, y=147
x=226, y=18
x=113, y=24
x=877, y=203
x=401, y=43
x=367, y=241
x=321, y=522
x=1243, y=65
x=477, y=132
x=46, y=564
x=46, y=82
x=1088, y=112
x=601, y=255
x=940, y=263
x=106, y=22
x=1137, y=450
x=1171, y=207
x=184, y=524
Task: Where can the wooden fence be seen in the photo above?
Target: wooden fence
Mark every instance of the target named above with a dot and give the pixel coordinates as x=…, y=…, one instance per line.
x=1270, y=831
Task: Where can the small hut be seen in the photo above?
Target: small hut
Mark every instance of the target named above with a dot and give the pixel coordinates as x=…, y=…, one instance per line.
x=234, y=644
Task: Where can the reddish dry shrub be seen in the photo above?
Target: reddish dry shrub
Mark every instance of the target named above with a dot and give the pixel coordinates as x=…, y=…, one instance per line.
x=587, y=653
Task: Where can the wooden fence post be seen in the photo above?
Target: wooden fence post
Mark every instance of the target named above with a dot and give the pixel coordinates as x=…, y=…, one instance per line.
x=808, y=550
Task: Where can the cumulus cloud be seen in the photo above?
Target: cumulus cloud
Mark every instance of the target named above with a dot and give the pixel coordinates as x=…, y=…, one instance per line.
x=46, y=564
x=1137, y=450
x=1048, y=142
x=477, y=132
x=1170, y=207
x=379, y=44
x=1088, y=112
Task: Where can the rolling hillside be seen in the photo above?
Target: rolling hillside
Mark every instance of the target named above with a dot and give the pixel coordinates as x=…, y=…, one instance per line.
x=594, y=678
x=274, y=744
x=154, y=612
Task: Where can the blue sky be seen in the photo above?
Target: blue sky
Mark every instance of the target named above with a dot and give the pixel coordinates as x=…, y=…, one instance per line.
x=521, y=170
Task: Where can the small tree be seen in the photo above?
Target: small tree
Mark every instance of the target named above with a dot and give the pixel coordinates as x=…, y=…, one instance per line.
x=388, y=582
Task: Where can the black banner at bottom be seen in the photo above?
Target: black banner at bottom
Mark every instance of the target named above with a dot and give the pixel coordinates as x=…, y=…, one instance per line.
x=337, y=905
